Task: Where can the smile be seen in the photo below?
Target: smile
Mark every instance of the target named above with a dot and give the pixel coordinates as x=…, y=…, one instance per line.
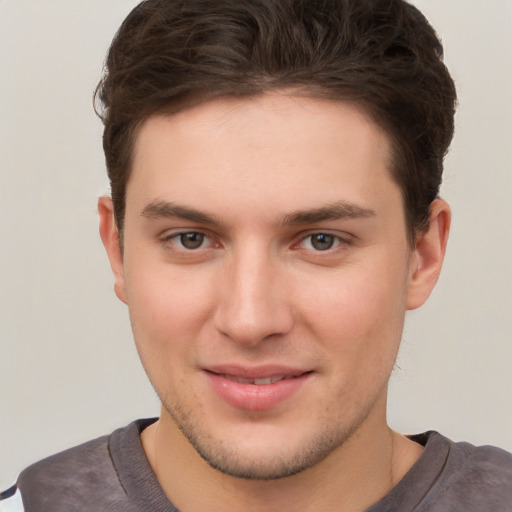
x=256, y=390
x=259, y=382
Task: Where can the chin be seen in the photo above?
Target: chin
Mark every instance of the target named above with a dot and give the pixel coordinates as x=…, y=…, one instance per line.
x=261, y=452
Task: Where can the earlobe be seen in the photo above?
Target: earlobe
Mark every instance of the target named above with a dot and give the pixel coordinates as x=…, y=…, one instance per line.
x=427, y=258
x=111, y=241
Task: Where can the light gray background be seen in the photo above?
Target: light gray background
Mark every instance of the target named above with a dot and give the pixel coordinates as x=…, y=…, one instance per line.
x=68, y=368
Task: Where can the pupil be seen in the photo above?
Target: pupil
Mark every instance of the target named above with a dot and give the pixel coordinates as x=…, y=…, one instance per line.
x=192, y=240
x=322, y=242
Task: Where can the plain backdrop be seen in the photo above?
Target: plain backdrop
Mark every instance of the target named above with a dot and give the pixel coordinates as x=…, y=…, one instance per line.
x=68, y=367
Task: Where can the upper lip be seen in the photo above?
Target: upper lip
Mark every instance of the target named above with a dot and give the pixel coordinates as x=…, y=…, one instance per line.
x=256, y=372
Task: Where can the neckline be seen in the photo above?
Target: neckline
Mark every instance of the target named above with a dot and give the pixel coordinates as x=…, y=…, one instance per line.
x=143, y=489
x=410, y=491
x=135, y=474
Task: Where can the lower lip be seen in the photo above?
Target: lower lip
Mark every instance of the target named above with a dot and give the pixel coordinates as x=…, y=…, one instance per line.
x=253, y=397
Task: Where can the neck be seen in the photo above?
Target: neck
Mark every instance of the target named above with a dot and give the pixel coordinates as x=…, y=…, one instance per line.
x=366, y=467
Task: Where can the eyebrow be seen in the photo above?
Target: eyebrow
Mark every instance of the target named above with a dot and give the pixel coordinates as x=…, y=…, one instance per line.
x=164, y=210
x=334, y=211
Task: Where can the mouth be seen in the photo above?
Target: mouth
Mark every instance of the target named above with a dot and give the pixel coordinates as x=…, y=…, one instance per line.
x=264, y=381
x=257, y=389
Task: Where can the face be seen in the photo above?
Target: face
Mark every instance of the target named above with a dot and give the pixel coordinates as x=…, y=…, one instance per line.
x=267, y=272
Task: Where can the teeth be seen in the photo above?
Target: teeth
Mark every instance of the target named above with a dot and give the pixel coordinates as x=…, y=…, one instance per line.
x=257, y=382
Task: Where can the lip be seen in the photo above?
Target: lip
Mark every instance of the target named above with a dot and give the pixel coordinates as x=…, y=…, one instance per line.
x=256, y=389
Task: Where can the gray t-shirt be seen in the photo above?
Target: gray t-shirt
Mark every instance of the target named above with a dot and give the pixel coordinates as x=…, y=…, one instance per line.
x=112, y=474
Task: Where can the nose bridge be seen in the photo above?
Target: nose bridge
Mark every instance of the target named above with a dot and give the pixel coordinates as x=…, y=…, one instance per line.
x=253, y=305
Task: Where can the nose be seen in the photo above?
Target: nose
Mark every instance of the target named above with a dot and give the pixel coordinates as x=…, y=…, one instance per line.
x=253, y=304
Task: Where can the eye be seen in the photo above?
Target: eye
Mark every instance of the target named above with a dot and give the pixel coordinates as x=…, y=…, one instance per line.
x=190, y=240
x=320, y=241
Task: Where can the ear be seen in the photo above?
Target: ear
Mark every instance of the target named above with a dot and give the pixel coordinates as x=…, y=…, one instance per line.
x=110, y=238
x=428, y=255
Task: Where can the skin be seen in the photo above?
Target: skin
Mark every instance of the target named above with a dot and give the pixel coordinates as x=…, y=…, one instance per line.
x=280, y=277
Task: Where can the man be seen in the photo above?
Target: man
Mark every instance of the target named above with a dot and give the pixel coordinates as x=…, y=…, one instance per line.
x=275, y=168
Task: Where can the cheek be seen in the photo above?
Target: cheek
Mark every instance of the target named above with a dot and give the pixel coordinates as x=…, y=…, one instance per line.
x=359, y=311
x=167, y=309
x=358, y=327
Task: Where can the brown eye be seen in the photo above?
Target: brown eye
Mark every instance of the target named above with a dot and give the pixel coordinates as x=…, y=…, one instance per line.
x=322, y=241
x=192, y=240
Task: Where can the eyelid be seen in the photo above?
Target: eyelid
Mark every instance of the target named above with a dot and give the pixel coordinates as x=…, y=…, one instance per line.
x=170, y=235
x=341, y=238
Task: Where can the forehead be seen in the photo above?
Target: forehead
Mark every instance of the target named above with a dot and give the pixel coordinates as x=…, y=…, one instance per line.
x=275, y=149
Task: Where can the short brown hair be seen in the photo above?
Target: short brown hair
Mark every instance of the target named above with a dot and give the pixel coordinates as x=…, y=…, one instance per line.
x=382, y=54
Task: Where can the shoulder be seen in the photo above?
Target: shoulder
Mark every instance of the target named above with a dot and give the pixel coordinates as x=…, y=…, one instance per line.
x=473, y=477
x=484, y=467
x=69, y=480
x=80, y=479
x=43, y=485
x=453, y=477
x=486, y=463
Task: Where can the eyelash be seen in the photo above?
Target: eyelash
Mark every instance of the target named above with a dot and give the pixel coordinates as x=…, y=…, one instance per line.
x=176, y=238
x=335, y=239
